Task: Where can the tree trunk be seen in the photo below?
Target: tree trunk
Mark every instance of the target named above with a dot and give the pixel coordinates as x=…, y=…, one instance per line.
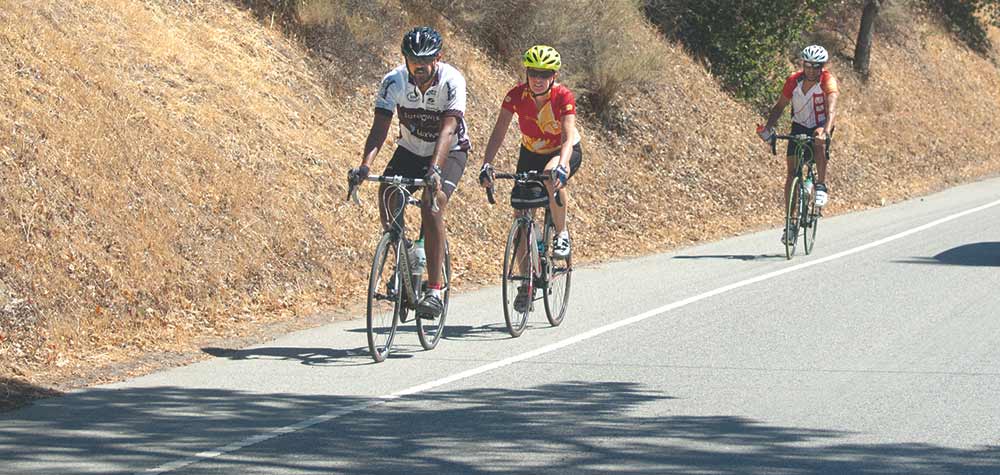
x=862, y=52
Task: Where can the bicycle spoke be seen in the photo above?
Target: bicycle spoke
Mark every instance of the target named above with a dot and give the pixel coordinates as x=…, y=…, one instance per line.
x=429, y=331
x=383, y=308
x=557, y=282
x=517, y=280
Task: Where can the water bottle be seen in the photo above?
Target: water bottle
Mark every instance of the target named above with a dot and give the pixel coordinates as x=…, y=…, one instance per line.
x=808, y=186
x=418, y=259
x=539, y=239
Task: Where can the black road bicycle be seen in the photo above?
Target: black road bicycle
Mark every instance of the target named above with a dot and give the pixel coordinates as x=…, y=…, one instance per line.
x=529, y=267
x=393, y=291
x=801, y=214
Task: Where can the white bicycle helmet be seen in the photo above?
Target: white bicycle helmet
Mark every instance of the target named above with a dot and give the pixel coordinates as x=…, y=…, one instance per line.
x=815, y=54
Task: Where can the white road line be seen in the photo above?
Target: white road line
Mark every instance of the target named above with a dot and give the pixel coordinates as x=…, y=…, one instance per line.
x=175, y=465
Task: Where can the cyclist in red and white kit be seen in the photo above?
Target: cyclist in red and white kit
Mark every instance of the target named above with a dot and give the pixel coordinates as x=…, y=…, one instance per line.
x=433, y=143
x=812, y=92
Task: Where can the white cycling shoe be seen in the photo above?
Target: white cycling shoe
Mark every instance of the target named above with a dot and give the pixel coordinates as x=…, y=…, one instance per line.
x=821, y=196
x=560, y=248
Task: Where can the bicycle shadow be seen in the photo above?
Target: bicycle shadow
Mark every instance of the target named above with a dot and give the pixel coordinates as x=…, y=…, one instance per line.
x=980, y=254
x=488, y=332
x=735, y=257
x=307, y=356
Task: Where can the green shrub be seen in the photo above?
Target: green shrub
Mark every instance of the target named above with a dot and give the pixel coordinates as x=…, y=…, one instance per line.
x=741, y=40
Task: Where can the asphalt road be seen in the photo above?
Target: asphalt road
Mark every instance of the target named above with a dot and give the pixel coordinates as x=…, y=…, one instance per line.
x=879, y=353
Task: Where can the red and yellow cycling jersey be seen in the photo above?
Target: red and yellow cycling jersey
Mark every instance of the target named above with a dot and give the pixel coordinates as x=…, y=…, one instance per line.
x=809, y=107
x=541, y=129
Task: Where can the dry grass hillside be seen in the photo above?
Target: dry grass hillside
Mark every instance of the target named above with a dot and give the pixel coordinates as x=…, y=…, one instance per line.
x=173, y=170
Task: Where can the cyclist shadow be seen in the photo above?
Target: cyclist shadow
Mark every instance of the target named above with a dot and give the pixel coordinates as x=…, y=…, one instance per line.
x=736, y=257
x=306, y=356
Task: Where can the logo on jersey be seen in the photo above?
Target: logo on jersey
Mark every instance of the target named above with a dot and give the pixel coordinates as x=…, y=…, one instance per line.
x=451, y=92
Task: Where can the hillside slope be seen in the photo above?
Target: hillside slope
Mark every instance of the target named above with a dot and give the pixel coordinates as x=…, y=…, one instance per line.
x=174, y=171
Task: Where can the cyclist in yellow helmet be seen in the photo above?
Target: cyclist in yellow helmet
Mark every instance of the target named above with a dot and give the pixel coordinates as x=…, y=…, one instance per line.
x=550, y=141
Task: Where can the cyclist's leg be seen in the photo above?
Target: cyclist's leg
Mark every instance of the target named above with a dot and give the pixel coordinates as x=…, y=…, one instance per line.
x=403, y=163
x=435, y=233
x=559, y=212
x=819, y=153
x=526, y=162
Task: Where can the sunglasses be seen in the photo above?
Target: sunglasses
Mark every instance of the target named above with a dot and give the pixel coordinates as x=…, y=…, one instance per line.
x=421, y=61
x=540, y=73
x=814, y=65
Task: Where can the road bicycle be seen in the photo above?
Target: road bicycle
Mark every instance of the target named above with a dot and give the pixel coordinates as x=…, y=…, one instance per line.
x=529, y=266
x=393, y=288
x=801, y=214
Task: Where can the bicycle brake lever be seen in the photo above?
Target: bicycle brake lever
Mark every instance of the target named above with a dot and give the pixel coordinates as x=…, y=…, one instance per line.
x=352, y=194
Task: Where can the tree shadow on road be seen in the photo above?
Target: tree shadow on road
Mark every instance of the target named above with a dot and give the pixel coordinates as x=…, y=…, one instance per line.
x=980, y=254
x=15, y=393
x=566, y=427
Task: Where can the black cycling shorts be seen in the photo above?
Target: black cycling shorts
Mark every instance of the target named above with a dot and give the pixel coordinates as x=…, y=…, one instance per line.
x=410, y=165
x=798, y=128
x=531, y=161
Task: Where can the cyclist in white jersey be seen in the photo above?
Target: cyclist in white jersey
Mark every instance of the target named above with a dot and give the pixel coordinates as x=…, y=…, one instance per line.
x=813, y=93
x=429, y=97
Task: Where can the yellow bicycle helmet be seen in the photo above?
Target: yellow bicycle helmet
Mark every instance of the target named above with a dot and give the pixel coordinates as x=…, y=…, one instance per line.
x=542, y=57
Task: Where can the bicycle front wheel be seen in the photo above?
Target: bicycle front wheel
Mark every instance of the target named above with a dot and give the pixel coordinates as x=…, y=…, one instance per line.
x=385, y=297
x=557, y=278
x=517, y=277
x=810, y=222
x=791, y=232
x=430, y=331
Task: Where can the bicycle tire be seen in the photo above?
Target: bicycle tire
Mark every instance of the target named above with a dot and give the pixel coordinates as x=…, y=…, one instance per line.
x=429, y=331
x=791, y=219
x=383, y=309
x=558, y=273
x=810, y=222
x=513, y=278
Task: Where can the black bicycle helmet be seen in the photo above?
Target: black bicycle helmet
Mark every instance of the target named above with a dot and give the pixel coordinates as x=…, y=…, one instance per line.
x=422, y=42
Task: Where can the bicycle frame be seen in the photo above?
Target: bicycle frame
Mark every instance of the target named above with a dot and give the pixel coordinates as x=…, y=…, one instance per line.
x=396, y=222
x=799, y=214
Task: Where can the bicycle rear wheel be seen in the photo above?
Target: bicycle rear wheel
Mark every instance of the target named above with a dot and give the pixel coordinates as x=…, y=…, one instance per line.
x=514, y=279
x=810, y=221
x=385, y=297
x=557, y=279
x=792, y=218
x=430, y=331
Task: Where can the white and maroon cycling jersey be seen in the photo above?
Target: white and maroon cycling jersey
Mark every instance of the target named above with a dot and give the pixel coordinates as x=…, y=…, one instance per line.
x=420, y=114
x=809, y=107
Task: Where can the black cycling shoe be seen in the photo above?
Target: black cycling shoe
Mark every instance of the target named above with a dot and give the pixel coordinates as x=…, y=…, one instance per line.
x=430, y=307
x=522, y=302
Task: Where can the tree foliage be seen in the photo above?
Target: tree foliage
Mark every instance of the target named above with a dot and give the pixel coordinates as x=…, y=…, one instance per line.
x=743, y=41
x=967, y=18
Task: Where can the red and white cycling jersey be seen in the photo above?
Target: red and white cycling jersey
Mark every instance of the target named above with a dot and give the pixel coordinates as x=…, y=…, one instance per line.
x=809, y=107
x=541, y=129
x=420, y=114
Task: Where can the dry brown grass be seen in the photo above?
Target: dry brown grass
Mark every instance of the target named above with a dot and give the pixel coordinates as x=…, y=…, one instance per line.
x=173, y=170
